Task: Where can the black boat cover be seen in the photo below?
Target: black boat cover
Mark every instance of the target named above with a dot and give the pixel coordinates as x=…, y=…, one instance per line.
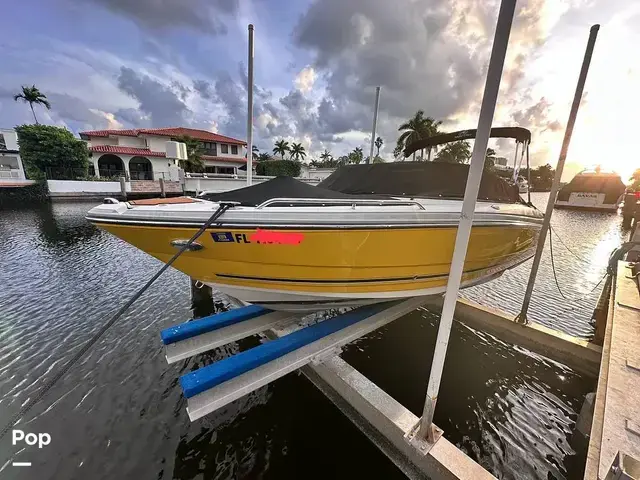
x=380, y=180
x=417, y=179
x=609, y=184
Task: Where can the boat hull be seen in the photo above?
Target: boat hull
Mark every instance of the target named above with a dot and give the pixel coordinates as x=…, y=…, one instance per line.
x=307, y=269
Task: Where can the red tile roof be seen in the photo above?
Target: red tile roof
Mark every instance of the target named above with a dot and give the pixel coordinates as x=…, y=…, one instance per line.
x=165, y=132
x=225, y=159
x=144, y=152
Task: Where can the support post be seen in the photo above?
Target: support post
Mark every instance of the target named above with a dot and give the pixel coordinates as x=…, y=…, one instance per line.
x=492, y=85
x=528, y=177
x=250, y=108
x=375, y=121
x=163, y=192
x=515, y=161
x=522, y=316
x=123, y=187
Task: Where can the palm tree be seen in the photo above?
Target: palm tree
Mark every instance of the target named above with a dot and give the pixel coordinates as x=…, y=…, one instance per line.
x=326, y=155
x=297, y=151
x=256, y=152
x=355, y=156
x=32, y=95
x=378, y=143
x=456, y=152
x=263, y=157
x=194, y=162
x=281, y=147
x=417, y=128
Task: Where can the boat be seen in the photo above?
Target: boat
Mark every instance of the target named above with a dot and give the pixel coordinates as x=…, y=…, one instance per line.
x=592, y=189
x=523, y=185
x=366, y=234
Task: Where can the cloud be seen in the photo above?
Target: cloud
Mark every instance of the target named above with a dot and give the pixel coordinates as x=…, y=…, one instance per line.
x=305, y=79
x=162, y=103
x=204, y=88
x=207, y=16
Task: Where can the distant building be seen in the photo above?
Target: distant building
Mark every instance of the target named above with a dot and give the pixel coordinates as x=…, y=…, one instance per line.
x=11, y=168
x=501, y=163
x=140, y=154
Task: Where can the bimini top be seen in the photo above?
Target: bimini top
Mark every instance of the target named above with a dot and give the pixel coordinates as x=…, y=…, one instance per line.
x=518, y=133
x=594, y=182
x=379, y=181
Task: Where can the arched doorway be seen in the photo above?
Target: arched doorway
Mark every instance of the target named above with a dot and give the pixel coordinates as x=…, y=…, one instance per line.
x=140, y=168
x=110, y=165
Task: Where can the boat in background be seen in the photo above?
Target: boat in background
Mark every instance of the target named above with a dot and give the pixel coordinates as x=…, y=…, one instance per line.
x=523, y=185
x=594, y=190
x=366, y=234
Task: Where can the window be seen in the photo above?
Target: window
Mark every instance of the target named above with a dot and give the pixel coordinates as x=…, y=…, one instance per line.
x=208, y=148
x=3, y=144
x=234, y=149
x=224, y=148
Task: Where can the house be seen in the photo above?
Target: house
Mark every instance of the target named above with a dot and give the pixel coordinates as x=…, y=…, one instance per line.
x=140, y=154
x=11, y=168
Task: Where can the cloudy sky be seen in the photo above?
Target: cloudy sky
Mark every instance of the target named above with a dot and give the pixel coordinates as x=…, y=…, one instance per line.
x=143, y=63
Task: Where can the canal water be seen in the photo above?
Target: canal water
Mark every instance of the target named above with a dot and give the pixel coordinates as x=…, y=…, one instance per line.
x=120, y=414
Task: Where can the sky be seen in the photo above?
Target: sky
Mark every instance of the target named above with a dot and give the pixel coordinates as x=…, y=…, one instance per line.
x=158, y=63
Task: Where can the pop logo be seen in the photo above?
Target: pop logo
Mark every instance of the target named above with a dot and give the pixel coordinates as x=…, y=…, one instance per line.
x=41, y=439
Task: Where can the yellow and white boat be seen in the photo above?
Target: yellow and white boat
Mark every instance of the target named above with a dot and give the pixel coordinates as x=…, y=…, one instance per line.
x=366, y=234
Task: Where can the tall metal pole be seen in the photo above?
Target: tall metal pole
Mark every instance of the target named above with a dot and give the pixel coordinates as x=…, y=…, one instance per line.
x=515, y=160
x=375, y=121
x=528, y=177
x=522, y=316
x=250, y=108
x=492, y=85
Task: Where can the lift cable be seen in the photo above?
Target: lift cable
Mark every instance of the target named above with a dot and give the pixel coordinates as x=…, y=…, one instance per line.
x=92, y=341
x=555, y=276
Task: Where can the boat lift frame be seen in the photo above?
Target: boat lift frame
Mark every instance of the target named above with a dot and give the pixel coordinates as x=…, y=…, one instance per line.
x=291, y=343
x=415, y=445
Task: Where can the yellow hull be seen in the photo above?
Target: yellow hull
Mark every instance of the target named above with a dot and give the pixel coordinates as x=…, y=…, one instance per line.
x=356, y=263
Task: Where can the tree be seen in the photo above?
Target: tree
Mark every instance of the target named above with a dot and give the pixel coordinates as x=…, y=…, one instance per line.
x=194, y=161
x=281, y=147
x=326, y=155
x=417, y=128
x=378, y=143
x=32, y=95
x=541, y=178
x=255, y=151
x=397, y=152
x=44, y=147
x=279, y=168
x=355, y=156
x=635, y=180
x=297, y=151
x=263, y=157
x=378, y=159
x=455, y=152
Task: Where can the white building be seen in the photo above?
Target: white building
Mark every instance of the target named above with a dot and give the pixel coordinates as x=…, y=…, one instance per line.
x=11, y=168
x=140, y=154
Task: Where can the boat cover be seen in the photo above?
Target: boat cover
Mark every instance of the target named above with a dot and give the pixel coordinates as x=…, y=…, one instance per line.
x=610, y=185
x=380, y=180
x=417, y=179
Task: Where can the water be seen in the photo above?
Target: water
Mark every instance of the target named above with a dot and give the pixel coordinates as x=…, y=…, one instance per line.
x=120, y=413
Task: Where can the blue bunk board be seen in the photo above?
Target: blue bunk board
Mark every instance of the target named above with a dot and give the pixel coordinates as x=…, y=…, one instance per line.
x=208, y=324
x=208, y=377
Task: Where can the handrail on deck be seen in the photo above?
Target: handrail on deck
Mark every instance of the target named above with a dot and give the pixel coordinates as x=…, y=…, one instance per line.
x=340, y=201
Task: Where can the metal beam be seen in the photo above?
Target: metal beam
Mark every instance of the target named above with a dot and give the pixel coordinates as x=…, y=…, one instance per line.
x=522, y=316
x=250, y=108
x=487, y=109
x=224, y=393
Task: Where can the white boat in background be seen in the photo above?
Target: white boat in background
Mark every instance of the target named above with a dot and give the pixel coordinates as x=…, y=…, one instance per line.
x=592, y=190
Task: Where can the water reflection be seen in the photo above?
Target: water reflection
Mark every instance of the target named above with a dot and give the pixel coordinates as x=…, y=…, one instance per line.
x=122, y=415
x=63, y=224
